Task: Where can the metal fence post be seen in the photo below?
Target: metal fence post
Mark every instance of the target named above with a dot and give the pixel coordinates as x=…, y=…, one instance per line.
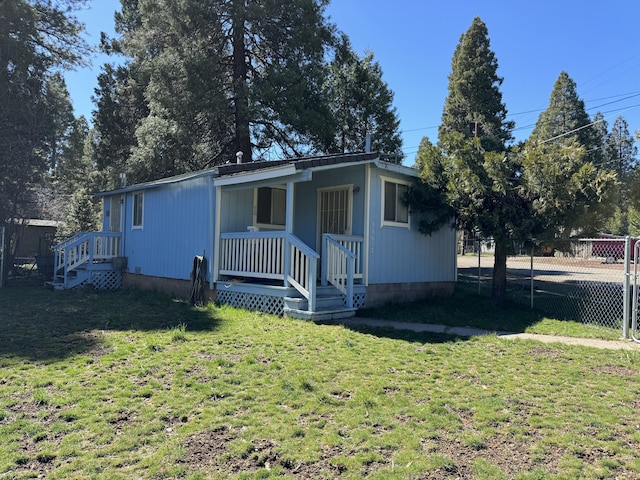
x=634, y=291
x=479, y=269
x=626, y=286
x=532, y=278
x=1, y=257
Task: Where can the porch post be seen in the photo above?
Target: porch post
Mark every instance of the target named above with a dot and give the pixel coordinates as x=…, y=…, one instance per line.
x=626, y=287
x=289, y=230
x=216, y=239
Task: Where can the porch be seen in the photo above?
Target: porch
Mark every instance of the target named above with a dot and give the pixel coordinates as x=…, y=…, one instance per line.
x=276, y=272
x=89, y=258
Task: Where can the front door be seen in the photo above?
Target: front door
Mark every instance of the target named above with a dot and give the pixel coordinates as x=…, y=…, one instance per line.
x=115, y=216
x=335, y=206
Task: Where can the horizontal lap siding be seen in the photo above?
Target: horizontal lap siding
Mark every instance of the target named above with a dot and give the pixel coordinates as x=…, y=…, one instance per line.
x=176, y=227
x=398, y=254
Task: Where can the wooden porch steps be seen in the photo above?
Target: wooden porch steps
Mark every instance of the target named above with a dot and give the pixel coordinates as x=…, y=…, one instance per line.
x=80, y=276
x=329, y=306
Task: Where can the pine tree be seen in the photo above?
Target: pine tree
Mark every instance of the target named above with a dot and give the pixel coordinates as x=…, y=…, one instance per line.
x=361, y=103
x=621, y=151
x=121, y=105
x=600, y=135
x=481, y=175
x=37, y=38
x=215, y=77
x=473, y=107
x=565, y=121
x=571, y=189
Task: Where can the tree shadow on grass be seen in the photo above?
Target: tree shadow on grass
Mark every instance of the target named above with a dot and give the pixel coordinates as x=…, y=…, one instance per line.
x=405, y=335
x=462, y=309
x=42, y=325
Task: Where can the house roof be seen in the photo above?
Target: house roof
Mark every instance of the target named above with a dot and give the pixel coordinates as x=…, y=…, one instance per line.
x=299, y=164
x=36, y=222
x=302, y=163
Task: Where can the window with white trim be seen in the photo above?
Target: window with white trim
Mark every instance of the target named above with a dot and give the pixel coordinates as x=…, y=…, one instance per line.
x=271, y=207
x=394, y=210
x=138, y=209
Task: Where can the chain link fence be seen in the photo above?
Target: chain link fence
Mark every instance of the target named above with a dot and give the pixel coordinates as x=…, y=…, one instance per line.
x=580, y=280
x=2, y=267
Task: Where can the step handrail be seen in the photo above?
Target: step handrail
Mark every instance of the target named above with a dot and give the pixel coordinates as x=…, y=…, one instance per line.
x=82, y=248
x=339, y=266
x=301, y=268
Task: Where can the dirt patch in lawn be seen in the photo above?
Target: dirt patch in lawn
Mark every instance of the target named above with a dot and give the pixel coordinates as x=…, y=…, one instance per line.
x=209, y=451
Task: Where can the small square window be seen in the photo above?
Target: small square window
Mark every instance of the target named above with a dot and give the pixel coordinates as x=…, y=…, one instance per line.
x=395, y=211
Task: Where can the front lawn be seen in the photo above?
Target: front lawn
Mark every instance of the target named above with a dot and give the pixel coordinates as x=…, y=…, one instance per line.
x=137, y=385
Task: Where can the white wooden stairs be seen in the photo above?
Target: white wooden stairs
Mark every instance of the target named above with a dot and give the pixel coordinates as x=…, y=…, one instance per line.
x=88, y=258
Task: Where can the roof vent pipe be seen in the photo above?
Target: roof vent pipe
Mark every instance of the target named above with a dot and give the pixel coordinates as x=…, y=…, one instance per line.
x=367, y=143
x=239, y=157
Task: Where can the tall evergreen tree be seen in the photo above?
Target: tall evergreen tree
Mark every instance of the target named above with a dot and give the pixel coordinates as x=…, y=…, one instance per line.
x=189, y=122
x=121, y=105
x=36, y=38
x=621, y=151
x=600, y=136
x=478, y=175
x=361, y=103
x=566, y=121
x=620, y=156
x=60, y=120
x=512, y=195
x=473, y=107
x=217, y=77
x=571, y=185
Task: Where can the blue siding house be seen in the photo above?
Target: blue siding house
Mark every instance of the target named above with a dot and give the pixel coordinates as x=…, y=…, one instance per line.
x=314, y=237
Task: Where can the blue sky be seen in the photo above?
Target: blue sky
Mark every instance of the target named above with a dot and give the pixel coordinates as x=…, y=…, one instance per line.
x=595, y=42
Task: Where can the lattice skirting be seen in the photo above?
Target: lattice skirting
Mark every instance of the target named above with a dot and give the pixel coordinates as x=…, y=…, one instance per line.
x=252, y=301
x=106, y=280
x=358, y=299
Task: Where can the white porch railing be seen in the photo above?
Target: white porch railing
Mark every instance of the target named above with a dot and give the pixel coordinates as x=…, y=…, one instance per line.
x=83, y=248
x=271, y=255
x=284, y=257
x=342, y=263
x=253, y=254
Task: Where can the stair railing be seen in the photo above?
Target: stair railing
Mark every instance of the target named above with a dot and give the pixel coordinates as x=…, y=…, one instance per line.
x=338, y=267
x=301, y=268
x=83, y=248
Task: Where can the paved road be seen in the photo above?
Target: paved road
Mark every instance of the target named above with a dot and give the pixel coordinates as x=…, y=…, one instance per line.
x=549, y=269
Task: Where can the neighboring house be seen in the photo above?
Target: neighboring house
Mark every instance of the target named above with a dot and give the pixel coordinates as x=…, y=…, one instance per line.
x=313, y=237
x=33, y=237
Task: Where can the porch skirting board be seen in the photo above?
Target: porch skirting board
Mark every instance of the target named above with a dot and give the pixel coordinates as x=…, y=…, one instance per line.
x=272, y=304
x=383, y=293
x=169, y=286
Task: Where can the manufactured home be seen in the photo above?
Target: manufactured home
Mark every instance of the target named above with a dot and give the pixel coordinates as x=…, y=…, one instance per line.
x=314, y=237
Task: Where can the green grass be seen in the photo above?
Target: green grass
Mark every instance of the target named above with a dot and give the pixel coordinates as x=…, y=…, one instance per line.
x=466, y=308
x=137, y=385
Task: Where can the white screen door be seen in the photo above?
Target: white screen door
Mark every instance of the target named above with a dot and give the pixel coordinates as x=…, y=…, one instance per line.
x=334, y=211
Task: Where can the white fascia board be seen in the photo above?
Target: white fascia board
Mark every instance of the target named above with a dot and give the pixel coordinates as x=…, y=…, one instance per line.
x=158, y=183
x=263, y=179
x=335, y=166
x=395, y=168
x=256, y=175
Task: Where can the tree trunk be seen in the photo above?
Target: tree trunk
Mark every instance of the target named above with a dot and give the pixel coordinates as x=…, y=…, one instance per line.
x=240, y=94
x=499, y=281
